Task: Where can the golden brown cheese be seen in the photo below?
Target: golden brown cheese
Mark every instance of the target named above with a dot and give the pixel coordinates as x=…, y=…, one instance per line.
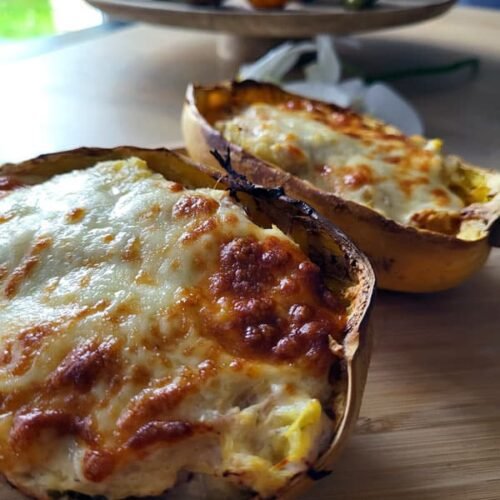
x=357, y=158
x=148, y=331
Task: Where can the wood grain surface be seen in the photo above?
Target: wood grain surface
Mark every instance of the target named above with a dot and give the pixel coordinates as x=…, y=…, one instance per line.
x=430, y=421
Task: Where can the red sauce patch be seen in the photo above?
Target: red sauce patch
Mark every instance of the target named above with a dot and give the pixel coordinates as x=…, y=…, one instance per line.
x=194, y=206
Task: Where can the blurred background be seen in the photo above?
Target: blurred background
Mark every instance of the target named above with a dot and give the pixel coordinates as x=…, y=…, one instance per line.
x=26, y=19
x=22, y=19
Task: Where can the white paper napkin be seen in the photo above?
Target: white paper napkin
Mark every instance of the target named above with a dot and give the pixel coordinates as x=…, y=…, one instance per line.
x=322, y=80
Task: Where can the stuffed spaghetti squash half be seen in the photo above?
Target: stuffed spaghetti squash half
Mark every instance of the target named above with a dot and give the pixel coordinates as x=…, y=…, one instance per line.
x=167, y=328
x=425, y=220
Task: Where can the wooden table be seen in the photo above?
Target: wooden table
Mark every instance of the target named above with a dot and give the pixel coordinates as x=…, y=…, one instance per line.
x=430, y=421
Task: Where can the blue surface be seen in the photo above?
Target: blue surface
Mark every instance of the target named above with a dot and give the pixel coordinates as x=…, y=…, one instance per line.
x=494, y=4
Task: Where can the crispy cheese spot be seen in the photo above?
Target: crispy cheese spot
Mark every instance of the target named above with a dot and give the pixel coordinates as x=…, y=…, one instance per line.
x=359, y=176
x=98, y=465
x=267, y=323
x=231, y=219
x=144, y=278
x=18, y=275
x=193, y=234
x=207, y=369
x=245, y=266
x=194, y=206
x=122, y=311
x=6, y=354
x=153, y=404
x=85, y=281
x=395, y=160
x=440, y=222
x=75, y=215
x=132, y=250
x=199, y=262
x=157, y=432
x=31, y=338
x=152, y=213
x=108, y=238
x=5, y=218
x=22, y=271
x=407, y=185
x=441, y=197
x=28, y=426
x=3, y=271
x=83, y=366
x=175, y=187
x=140, y=375
x=395, y=174
x=295, y=152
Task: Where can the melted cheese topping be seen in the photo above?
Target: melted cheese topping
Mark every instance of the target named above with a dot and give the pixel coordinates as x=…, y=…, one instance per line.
x=359, y=159
x=148, y=331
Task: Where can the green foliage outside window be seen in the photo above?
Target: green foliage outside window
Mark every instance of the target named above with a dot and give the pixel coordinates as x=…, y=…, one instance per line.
x=25, y=18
